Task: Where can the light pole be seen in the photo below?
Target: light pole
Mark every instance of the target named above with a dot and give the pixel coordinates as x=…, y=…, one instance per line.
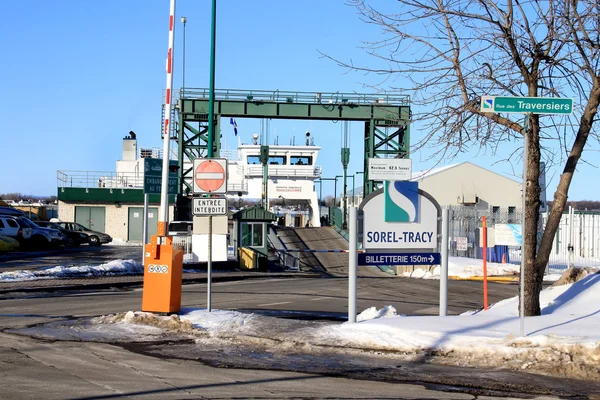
x=359, y=173
x=211, y=138
x=320, y=181
x=344, y=198
x=183, y=21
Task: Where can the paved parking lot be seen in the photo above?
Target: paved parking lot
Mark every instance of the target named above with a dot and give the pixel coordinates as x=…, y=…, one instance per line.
x=70, y=256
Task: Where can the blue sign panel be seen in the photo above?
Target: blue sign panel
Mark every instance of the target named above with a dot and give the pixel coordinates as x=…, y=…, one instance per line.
x=399, y=259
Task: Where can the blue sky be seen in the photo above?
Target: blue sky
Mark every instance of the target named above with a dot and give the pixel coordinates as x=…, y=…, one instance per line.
x=79, y=75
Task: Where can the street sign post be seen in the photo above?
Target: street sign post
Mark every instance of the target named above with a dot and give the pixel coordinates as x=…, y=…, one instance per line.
x=153, y=176
x=526, y=105
x=399, y=259
x=209, y=206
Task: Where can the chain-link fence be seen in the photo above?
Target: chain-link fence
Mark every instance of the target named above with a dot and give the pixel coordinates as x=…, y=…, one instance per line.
x=577, y=240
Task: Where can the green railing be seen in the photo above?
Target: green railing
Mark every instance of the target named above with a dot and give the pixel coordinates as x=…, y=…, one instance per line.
x=280, y=96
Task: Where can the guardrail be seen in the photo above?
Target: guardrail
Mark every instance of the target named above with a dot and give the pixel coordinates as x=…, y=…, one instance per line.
x=99, y=179
x=281, y=96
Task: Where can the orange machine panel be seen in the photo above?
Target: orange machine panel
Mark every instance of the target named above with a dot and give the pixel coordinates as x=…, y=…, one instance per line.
x=163, y=265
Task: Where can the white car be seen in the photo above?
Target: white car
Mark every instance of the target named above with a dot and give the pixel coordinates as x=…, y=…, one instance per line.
x=12, y=227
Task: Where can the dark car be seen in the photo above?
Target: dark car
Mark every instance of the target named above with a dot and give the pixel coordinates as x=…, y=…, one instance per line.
x=95, y=238
x=77, y=238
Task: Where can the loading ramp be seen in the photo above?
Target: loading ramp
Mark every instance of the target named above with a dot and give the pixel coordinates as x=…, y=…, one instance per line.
x=323, y=238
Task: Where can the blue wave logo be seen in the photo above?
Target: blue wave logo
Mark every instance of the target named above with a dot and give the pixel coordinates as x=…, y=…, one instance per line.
x=401, y=201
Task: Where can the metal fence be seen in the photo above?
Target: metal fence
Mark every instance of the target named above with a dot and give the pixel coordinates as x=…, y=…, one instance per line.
x=185, y=243
x=577, y=240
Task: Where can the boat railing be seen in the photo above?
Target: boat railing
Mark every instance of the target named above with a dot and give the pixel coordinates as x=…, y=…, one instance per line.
x=307, y=171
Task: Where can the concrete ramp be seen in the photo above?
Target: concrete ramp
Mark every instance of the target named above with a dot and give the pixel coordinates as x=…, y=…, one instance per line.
x=324, y=238
x=291, y=240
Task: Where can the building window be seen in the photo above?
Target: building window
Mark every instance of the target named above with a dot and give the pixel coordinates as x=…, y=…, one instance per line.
x=252, y=234
x=512, y=214
x=273, y=160
x=301, y=160
x=253, y=160
x=277, y=160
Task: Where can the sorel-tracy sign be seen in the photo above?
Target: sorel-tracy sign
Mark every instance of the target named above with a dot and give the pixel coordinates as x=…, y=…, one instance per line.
x=400, y=217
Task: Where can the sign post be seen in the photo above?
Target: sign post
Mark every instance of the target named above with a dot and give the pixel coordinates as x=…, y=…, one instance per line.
x=353, y=263
x=210, y=178
x=525, y=105
x=444, y=263
x=406, y=220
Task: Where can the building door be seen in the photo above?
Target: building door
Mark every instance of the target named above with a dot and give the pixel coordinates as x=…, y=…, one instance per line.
x=91, y=217
x=135, y=226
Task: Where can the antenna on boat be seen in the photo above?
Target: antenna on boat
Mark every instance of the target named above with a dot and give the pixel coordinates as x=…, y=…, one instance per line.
x=307, y=138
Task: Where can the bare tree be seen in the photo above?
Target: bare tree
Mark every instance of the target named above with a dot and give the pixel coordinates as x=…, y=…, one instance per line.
x=449, y=53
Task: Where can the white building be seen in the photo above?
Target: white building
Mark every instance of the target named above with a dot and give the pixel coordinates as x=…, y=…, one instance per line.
x=466, y=184
x=471, y=185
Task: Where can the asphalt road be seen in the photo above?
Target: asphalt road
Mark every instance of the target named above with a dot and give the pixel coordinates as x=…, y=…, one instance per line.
x=178, y=368
x=76, y=256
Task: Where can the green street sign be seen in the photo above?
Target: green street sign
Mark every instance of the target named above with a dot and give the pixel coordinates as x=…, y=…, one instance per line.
x=526, y=105
x=153, y=176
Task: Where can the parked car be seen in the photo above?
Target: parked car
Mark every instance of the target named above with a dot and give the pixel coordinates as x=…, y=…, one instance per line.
x=95, y=238
x=44, y=237
x=8, y=243
x=11, y=211
x=77, y=238
x=10, y=226
x=179, y=228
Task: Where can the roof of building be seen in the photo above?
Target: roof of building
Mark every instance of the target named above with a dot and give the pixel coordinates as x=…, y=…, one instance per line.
x=420, y=175
x=255, y=213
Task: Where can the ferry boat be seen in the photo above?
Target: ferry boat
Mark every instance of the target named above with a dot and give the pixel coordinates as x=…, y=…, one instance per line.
x=291, y=174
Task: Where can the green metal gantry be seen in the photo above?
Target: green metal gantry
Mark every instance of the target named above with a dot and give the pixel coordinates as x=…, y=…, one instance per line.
x=386, y=117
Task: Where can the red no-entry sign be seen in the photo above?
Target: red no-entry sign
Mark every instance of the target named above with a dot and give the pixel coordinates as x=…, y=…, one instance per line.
x=210, y=175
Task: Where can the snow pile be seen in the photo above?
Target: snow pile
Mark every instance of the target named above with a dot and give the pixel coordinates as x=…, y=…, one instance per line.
x=563, y=341
x=112, y=268
x=462, y=267
x=373, y=313
x=121, y=242
x=172, y=322
x=420, y=273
